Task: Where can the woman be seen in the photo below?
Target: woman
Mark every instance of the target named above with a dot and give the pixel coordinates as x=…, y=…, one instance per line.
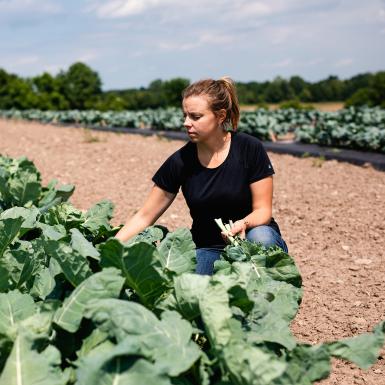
x=222, y=174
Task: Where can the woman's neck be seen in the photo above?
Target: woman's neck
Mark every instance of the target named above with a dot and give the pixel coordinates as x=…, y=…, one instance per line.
x=216, y=144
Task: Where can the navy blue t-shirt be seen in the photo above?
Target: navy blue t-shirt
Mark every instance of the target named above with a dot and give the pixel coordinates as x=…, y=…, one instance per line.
x=220, y=192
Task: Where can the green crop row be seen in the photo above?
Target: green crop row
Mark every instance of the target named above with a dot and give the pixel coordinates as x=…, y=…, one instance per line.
x=79, y=307
x=356, y=128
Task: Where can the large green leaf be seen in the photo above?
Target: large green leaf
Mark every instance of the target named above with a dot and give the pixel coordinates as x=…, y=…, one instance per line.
x=140, y=266
x=177, y=252
x=363, y=349
x=97, y=218
x=52, y=195
x=151, y=234
x=250, y=365
x=138, y=331
x=278, y=264
x=74, y=265
x=52, y=232
x=25, y=366
x=9, y=229
x=305, y=364
x=80, y=244
x=24, y=187
x=216, y=314
x=63, y=214
x=22, y=261
x=119, y=371
x=43, y=284
x=29, y=215
x=19, y=182
x=105, y=284
x=188, y=289
x=14, y=308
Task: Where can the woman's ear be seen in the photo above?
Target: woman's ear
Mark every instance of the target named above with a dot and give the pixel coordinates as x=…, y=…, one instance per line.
x=221, y=115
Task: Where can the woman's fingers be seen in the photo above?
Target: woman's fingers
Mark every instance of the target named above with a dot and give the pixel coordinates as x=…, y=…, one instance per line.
x=239, y=228
x=225, y=236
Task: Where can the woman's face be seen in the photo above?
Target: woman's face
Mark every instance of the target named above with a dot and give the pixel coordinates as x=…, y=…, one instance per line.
x=199, y=120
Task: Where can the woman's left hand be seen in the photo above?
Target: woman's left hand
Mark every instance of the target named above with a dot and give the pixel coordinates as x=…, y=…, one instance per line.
x=239, y=228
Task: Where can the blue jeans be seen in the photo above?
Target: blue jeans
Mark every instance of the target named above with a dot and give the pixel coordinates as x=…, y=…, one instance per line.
x=265, y=235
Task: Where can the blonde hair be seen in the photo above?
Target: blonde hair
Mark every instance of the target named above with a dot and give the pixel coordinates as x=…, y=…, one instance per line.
x=221, y=94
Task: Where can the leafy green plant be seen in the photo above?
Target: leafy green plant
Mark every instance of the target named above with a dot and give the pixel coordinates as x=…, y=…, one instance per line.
x=361, y=128
x=79, y=307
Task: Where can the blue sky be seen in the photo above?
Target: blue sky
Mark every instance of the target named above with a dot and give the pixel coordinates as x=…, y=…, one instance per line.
x=132, y=42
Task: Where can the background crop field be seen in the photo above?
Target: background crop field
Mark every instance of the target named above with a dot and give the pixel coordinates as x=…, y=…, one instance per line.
x=331, y=216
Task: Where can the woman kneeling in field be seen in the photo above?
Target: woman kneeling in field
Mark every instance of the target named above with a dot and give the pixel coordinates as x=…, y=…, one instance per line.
x=222, y=174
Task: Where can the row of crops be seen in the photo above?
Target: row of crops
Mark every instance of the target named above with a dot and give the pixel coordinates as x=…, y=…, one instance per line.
x=356, y=128
x=79, y=307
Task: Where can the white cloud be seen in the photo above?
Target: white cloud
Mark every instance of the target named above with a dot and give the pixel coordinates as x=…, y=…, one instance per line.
x=88, y=56
x=279, y=35
x=283, y=63
x=24, y=6
x=204, y=39
x=113, y=9
x=346, y=62
x=175, y=46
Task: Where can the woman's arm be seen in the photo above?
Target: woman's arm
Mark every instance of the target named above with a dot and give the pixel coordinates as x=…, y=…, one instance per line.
x=155, y=205
x=262, y=202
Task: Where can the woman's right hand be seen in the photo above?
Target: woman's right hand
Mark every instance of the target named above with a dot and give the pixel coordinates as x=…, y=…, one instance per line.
x=155, y=205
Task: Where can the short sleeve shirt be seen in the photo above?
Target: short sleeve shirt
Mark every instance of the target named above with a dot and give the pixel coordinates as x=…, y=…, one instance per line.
x=221, y=192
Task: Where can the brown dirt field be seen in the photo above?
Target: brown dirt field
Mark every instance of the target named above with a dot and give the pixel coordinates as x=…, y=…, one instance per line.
x=331, y=215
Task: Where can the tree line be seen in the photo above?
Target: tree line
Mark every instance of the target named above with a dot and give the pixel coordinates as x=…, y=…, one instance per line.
x=80, y=87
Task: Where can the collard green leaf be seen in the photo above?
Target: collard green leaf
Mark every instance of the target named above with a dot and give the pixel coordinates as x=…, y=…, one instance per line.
x=278, y=264
x=140, y=267
x=19, y=182
x=177, y=252
x=105, y=284
x=90, y=343
x=25, y=366
x=29, y=215
x=305, y=364
x=139, y=332
x=80, y=244
x=363, y=349
x=216, y=314
x=188, y=289
x=270, y=328
x=9, y=229
x=114, y=369
x=43, y=284
x=97, y=218
x=52, y=195
x=21, y=262
x=151, y=234
x=74, y=265
x=14, y=307
x=52, y=232
x=248, y=364
x=63, y=214
x=24, y=187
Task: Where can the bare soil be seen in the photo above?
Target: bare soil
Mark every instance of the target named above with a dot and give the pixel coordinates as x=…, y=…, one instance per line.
x=332, y=216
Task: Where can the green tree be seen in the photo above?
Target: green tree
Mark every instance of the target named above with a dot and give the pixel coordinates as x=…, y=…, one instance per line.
x=80, y=85
x=361, y=97
x=278, y=90
x=173, y=90
x=16, y=92
x=377, y=84
x=297, y=84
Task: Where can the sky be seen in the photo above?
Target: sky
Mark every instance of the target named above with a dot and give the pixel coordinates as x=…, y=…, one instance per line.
x=132, y=42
